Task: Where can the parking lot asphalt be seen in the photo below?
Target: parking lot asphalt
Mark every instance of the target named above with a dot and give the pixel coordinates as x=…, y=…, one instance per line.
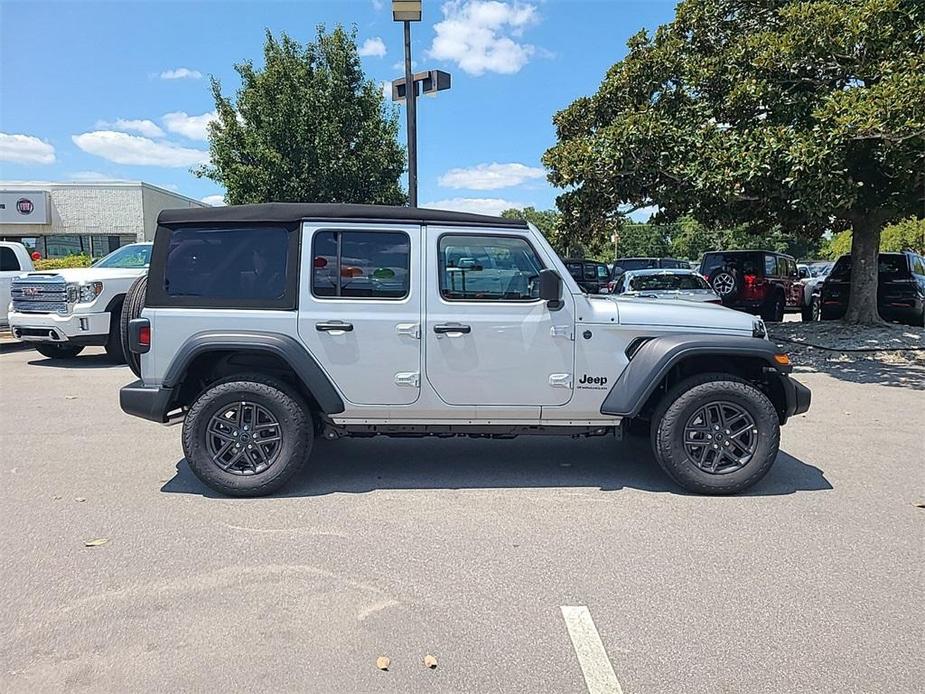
x=466, y=550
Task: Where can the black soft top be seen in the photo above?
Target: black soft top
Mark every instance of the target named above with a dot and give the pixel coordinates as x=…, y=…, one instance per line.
x=293, y=212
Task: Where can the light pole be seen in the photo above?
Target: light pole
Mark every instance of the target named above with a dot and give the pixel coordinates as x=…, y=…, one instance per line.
x=407, y=11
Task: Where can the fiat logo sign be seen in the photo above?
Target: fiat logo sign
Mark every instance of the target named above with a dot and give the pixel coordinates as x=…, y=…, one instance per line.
x=24, y=206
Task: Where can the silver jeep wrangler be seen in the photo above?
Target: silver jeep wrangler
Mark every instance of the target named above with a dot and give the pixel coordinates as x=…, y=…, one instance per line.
x=266, y=326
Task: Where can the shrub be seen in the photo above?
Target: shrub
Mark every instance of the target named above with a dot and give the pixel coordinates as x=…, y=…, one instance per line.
x=76, y=260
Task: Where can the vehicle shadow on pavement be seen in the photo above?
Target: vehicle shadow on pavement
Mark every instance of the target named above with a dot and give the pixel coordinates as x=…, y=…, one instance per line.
x=356, y=466
x=90, y=361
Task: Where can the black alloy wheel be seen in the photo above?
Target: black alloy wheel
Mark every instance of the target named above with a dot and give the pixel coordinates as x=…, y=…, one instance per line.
x=244, y=438
x=720, y=437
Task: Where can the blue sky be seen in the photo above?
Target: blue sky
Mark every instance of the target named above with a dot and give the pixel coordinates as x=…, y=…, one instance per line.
x=92, y=90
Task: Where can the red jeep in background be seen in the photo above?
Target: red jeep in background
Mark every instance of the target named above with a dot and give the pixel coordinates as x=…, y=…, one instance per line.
x=761, y=282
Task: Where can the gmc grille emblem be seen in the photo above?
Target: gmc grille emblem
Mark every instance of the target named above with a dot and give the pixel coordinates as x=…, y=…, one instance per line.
x=30, y=291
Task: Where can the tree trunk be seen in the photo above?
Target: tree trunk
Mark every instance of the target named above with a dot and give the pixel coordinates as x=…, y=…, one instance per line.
x=865, y=249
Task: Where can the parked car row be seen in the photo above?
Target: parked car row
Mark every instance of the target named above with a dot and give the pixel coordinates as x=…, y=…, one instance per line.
x=764, y=283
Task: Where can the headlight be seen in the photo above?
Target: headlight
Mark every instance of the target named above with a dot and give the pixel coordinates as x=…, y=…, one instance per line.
x=84, y=293
x=759, y=329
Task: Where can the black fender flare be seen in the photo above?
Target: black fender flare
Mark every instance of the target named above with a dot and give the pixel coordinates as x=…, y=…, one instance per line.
x=652, y=361
x=287, y=348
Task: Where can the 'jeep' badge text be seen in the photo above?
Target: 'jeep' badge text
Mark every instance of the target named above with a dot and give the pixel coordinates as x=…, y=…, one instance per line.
x=592, y=382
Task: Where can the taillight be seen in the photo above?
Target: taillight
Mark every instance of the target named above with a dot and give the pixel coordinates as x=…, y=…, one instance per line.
x=139, y=335
x=754, y=287
x=144, y=336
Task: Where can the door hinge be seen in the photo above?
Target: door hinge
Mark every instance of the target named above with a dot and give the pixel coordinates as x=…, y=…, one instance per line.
x=409, y=329
x=412, y=379
x=562, y=331
x=560, y=380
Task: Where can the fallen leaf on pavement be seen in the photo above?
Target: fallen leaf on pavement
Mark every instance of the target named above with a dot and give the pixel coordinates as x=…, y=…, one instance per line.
x=56, y=497
x=96, y=542
x=383, y=662
x=430, y=661
x=70, y=397
x=79, y=498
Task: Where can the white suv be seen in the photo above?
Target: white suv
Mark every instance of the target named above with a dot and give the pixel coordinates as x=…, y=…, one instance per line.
x=265, y=326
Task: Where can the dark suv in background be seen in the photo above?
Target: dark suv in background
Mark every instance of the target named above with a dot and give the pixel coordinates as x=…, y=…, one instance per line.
x=900, y=288
x=623, y=265
x=592, y=276
x=762, y=282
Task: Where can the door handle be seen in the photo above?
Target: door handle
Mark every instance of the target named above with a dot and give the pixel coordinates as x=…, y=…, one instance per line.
x=452, y=328
x=334, y=327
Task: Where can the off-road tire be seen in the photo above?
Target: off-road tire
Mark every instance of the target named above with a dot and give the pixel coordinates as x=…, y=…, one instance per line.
x=114, y=347
x=282, y=402
x=806, y=313
x=682, y=401
x=773, y=311
x=54, y=350
x=131, y=309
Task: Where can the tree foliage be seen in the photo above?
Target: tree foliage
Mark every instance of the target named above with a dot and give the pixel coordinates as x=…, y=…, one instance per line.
x=306, y=127
x=805, y=116
x=907, y=234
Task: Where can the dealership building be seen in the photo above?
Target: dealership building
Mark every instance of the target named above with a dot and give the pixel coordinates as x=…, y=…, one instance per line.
x=60, y=219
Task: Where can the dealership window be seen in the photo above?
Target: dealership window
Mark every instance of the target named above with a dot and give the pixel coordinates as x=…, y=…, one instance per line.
x=361, y=264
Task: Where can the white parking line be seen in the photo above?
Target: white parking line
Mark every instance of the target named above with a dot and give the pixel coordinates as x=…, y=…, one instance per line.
x=595, y=665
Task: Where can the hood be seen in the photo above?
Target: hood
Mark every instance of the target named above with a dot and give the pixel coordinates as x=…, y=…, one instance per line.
x=682, y=314
x=93, y=274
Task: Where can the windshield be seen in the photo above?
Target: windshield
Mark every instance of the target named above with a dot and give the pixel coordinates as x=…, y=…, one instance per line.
x=131, y=256
x=666, y=282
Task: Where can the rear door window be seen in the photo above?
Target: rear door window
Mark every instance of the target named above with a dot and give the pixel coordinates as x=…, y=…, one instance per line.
x=361, y=264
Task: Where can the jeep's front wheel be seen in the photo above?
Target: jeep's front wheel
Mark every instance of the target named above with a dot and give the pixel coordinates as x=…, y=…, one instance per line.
x=247, y=436
x=715, y=434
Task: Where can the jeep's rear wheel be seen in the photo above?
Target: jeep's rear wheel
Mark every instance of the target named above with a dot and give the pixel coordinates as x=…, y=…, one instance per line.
x=715, y=434
x=54, y=350
x=773, y=311
x=247, y=436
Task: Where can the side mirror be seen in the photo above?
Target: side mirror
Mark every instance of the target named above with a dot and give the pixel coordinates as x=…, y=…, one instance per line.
x=550, y=285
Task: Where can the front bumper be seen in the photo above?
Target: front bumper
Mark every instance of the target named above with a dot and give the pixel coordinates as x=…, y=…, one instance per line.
x=75, y=328
x=148, y=402
x=797, y=397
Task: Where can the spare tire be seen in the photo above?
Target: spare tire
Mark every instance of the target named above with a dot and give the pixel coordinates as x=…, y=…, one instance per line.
x=131, y=309
x=725, y=283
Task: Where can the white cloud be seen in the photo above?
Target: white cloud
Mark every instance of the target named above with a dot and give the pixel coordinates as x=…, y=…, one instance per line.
x=400, y=65
x=477, y=35
x=25, y=149
x=387, y=90
x=374, y=46
x=214, y=200
x=91, y=176
x=377, y=5
x=142, y=127
x=193, y=127
x=490, y=176
x=492, y=206
x=123, y=148
x=181, y=73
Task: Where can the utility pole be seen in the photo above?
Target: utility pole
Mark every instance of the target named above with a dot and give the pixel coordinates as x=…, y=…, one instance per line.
x=410, y=89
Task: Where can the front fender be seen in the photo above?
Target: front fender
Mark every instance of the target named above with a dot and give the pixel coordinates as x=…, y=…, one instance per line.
x=651, y=363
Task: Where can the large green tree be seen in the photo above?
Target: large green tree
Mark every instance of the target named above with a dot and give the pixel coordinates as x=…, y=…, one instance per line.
x=804, y=115
x=308, y=126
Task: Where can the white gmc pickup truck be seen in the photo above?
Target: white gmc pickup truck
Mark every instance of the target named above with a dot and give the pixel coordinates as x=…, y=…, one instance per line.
x=63, y=311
